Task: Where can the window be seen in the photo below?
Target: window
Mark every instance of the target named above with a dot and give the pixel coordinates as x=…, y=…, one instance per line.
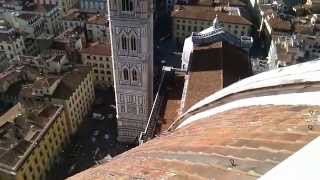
x=127, y=5
x=125, y=74
x=108, y=72
x=124, y=42
x=134, y=75
x=133, y=43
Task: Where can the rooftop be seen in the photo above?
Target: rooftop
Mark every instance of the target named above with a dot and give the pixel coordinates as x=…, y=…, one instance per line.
x=74, y=15
x=207, y=14
x=172, y=101
x=67, y=34
x=20, y=131
x=269, y=117
x=44, y=8
x=235, y=3
x=97, y=19
x=9, y=37
x=27, y=16
x=279, y=24
x=98, y=49
x=212, y=67
x=45, y=82
x=243, y=143
x=70, y=81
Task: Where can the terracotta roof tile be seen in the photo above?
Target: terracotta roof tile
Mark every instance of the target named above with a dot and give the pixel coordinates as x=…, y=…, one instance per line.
x=171, y=108
x=97, y=19
x=279, y=24
x=242, y=143
x=207, y=14
x=98, y=49
x=213, y=67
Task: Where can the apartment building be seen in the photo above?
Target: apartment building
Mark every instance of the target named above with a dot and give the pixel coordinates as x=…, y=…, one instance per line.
x=74, y=90
x=70, y=40
x=98, y=28
x=188, y=19
x=31, y=140
x=76, y=93
x=11, y=42
x=64, y=5
x=45, y=63
x=99, y=57
x=51, y=15
x=73, y=19
x=94, y=6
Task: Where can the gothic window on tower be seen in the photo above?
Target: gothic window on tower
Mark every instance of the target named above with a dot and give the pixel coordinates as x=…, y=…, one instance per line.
x=127, y=5
x=134, y=75
x=133, y=42
x=124, y=44
x=125, y=74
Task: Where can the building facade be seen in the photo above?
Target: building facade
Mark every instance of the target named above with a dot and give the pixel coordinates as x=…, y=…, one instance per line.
x=132, y=50
x=12, y=44
x=98, y=56
x=188, y=19
x=32, y=155
x=98, y=29
x=74, y=90
x=93, y=6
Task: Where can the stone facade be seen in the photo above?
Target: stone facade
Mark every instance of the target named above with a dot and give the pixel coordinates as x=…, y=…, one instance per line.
x=132, y=49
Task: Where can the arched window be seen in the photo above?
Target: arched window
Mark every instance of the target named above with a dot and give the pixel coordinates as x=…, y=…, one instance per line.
x=125, y=74
x=130, y=8
x=134, y=75
x=124, y=42
x=133, y=43
x=127, y=5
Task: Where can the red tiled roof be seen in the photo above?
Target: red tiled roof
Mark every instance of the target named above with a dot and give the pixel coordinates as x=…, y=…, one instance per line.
x=213, y=67
x=207, y=14
x=171, y=108
x=279, y=24
x=206, y=76
x=242, y=143
x=97, y=19
x=98, y=49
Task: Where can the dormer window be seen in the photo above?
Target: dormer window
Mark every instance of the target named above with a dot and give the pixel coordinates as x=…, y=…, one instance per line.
x=127, y=5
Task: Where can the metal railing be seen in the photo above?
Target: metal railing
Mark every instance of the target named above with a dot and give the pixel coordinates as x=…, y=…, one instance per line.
x=154, y=114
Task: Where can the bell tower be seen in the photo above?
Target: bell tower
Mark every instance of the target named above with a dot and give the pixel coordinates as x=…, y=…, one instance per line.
x=131, y=26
